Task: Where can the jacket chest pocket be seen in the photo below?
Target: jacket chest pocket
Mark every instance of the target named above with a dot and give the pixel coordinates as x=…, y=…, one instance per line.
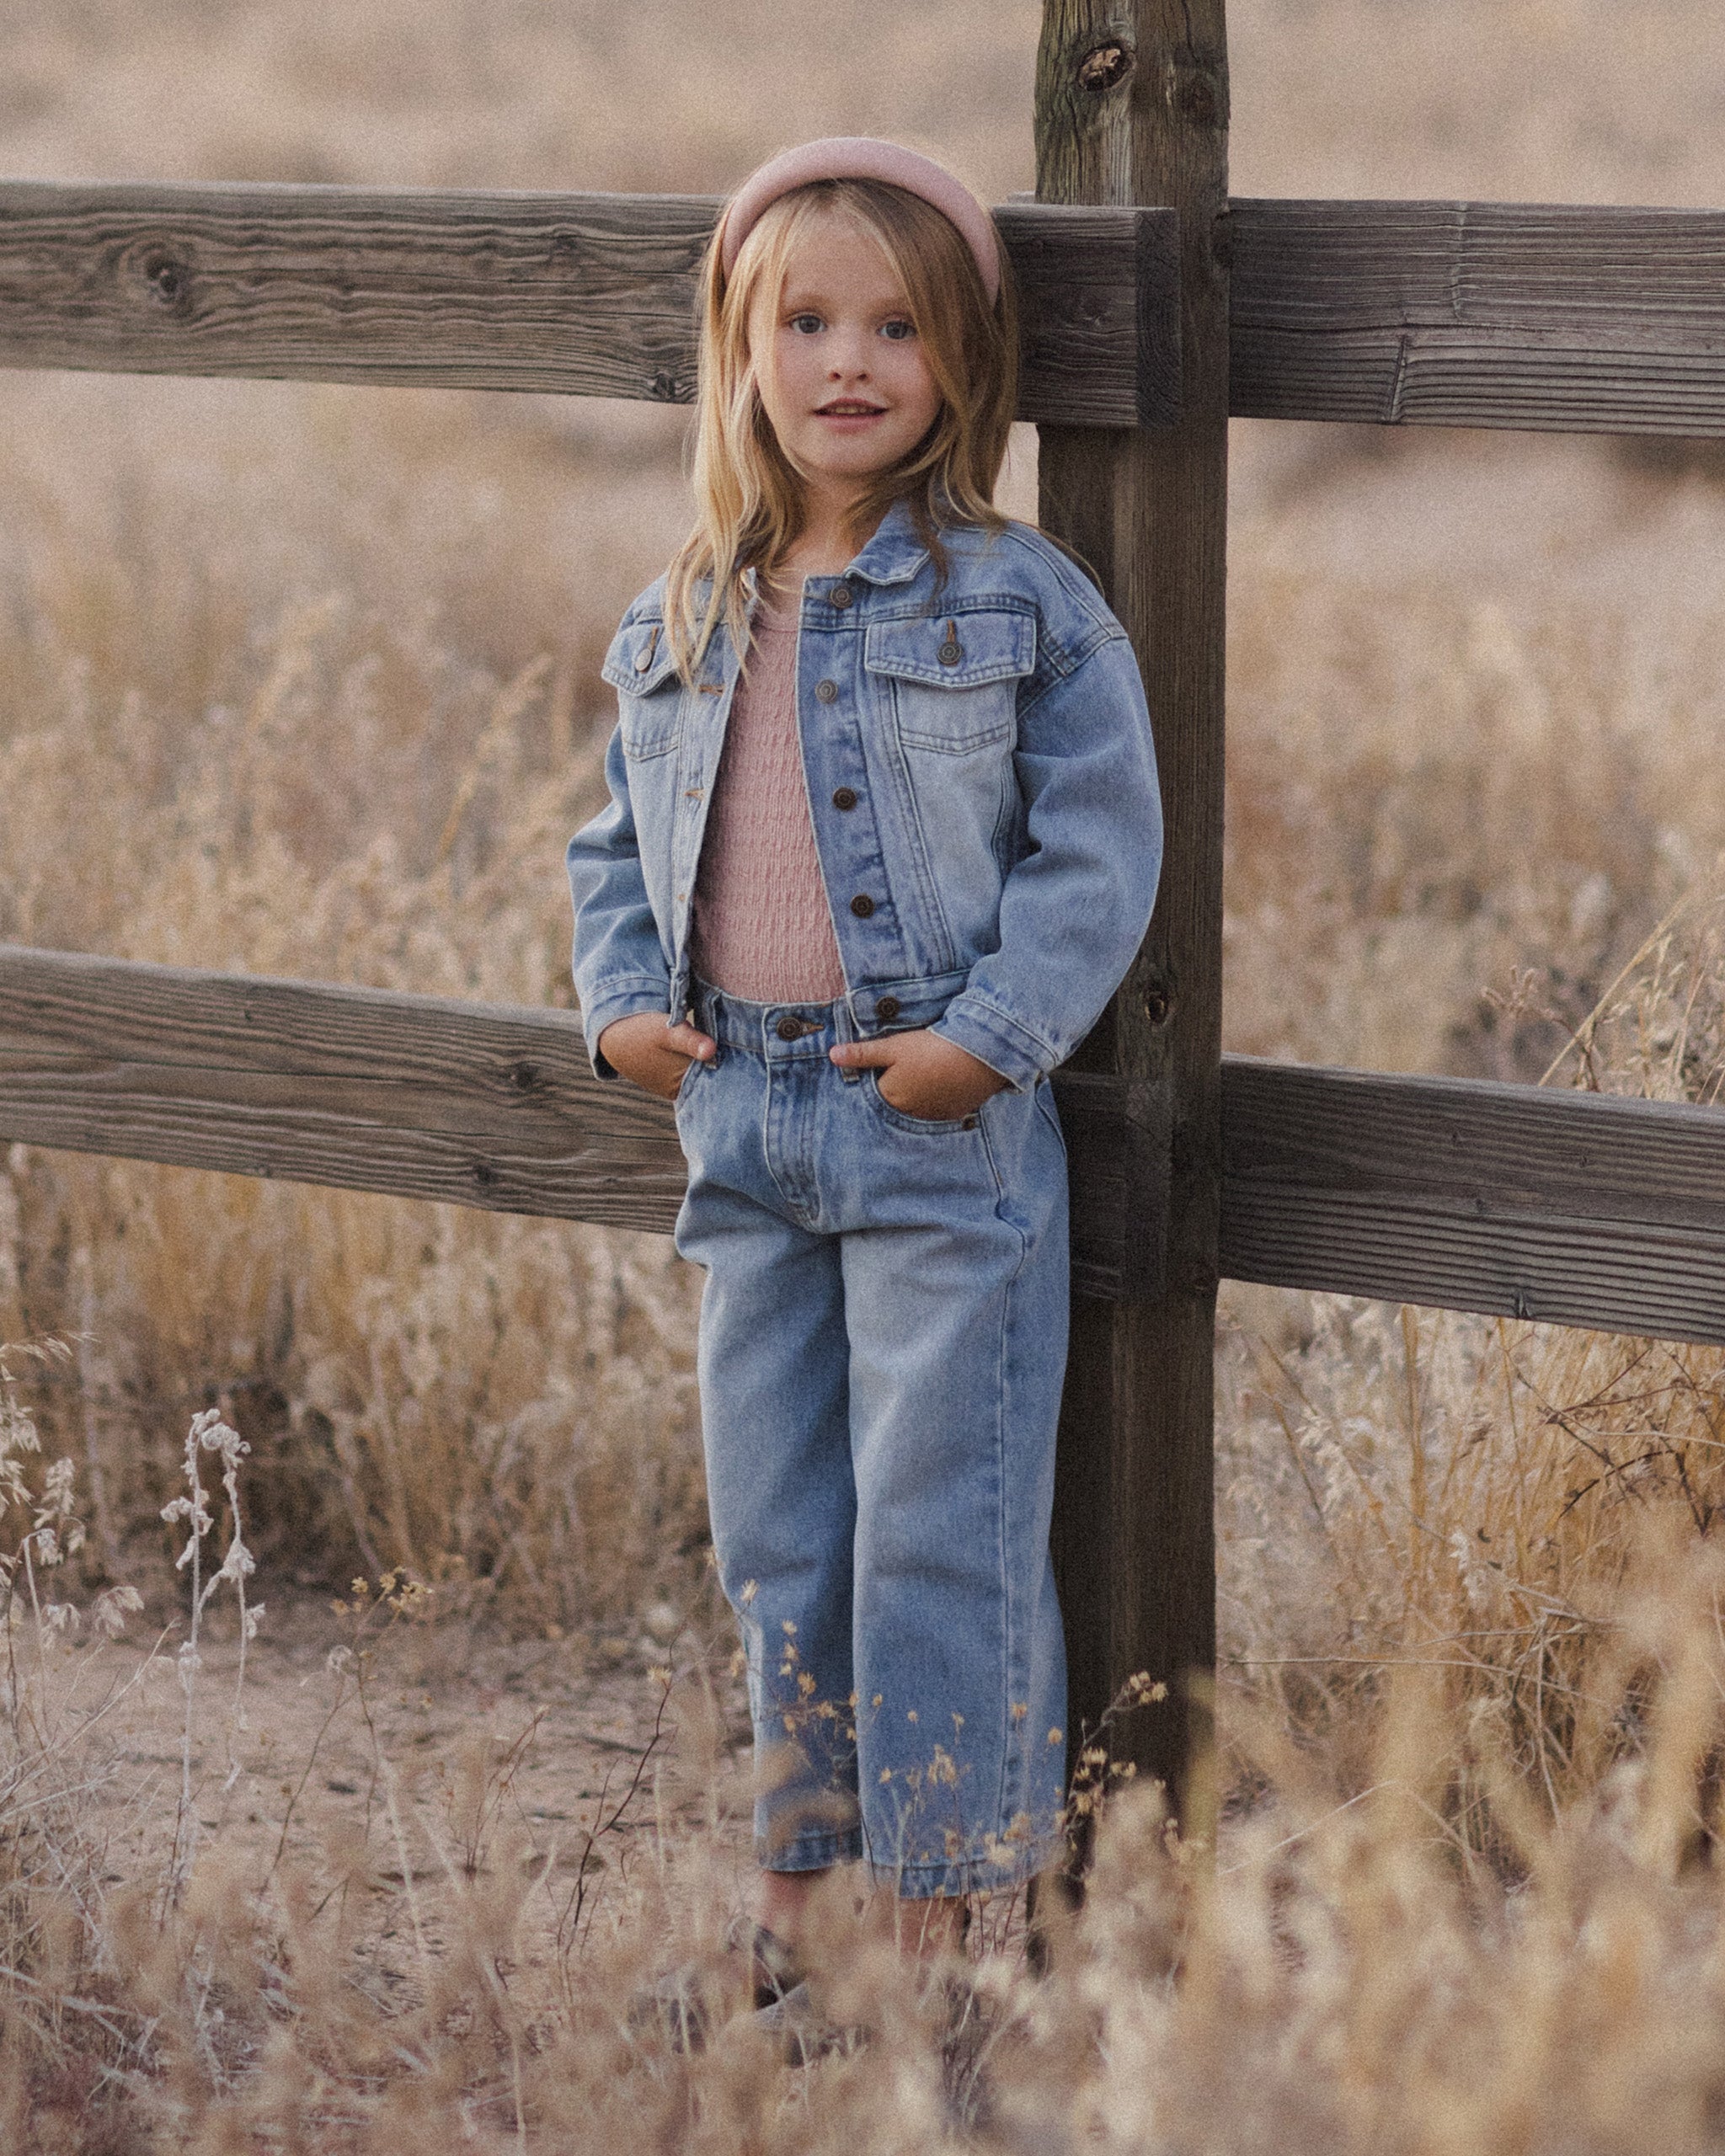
x=954, y=679
x=640, y=667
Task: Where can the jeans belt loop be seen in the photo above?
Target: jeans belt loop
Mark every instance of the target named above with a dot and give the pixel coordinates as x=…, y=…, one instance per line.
x=844, y=1024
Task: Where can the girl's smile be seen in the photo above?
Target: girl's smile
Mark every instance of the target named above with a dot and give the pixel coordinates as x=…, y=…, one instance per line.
x=841, y=371
x=843, y=412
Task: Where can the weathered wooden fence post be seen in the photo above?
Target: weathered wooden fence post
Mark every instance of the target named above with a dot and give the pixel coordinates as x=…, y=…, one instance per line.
x=1132, y=107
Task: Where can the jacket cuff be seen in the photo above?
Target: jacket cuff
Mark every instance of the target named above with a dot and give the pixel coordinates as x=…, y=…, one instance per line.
x=623, y=1000
x=993, y=1038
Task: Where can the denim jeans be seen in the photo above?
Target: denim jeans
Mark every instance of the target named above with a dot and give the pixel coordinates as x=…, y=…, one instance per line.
x=883, y=1339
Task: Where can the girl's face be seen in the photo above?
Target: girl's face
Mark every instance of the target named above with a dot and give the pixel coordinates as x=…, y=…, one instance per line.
x=842, y=373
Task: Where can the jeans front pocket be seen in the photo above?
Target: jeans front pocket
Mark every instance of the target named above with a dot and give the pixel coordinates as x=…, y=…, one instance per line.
x=918, y=1125
x=679, y=1100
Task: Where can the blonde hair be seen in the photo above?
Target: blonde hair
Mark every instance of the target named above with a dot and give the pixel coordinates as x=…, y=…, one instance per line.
x=749, y=497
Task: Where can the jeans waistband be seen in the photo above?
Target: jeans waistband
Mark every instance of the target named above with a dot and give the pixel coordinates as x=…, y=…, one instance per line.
x=789, y=1029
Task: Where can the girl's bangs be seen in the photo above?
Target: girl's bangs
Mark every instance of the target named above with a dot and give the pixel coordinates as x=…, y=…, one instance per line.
x=764, y=260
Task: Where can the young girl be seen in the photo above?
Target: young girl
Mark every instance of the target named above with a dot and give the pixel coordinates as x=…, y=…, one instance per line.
x=883, y=837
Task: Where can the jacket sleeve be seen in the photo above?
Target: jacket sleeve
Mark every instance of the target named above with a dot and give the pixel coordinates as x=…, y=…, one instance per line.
x=620, y=966
x=1075, y=907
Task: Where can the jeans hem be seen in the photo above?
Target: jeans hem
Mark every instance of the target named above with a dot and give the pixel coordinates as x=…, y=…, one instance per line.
x=808, y=1852
x=919, y=1882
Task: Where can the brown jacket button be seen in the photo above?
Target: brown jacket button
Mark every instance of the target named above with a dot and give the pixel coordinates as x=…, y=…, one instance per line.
x=845, y=797
x=827, y=692
x=840, y=596
x=862, y=906
x=887, y=1009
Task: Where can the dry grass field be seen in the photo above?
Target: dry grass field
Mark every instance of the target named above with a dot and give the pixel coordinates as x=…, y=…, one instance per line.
x=304, y=681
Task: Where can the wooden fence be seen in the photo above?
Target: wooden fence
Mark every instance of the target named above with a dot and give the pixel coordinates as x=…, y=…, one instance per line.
x=1154, y=307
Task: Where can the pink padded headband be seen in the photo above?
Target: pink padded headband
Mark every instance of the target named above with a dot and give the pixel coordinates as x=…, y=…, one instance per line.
x=861, y=156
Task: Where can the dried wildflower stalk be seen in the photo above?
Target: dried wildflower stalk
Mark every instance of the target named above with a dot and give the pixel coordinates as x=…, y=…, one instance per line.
x=208, y=1433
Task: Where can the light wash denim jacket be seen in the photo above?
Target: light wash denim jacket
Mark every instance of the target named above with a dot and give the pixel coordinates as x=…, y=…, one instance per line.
x=981, y=778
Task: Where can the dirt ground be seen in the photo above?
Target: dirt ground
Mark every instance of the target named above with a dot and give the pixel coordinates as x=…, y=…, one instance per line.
x=380, y=1760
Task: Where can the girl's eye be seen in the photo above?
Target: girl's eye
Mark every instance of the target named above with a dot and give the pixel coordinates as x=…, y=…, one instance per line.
x=806, y=325
x=898, y=329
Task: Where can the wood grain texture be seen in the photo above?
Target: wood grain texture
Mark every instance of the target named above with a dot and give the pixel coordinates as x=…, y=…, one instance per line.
x=1480, y=314
x=1132, y=106
x=1431, y=313
x=466, y=1103
x=1096, y=285
x=592, y=294
x=411, y=1095
x=1117, y=1162
x=1573, y=1208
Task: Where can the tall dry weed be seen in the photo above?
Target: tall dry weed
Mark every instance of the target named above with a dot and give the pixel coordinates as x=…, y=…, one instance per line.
x=1350, y=1971
x=1413, y=1490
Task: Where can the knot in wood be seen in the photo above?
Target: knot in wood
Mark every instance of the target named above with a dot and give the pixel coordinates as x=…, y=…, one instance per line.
x=153, y=270
x=665, y=388
x=1104, y=69
x=524, y=1077
x=485, y=1176
x=1157, y=1006
x=1197, y=100
x=167, y=281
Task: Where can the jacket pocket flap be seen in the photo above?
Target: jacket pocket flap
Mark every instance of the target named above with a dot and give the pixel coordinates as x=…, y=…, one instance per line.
x=958, y=651
x=639, y=660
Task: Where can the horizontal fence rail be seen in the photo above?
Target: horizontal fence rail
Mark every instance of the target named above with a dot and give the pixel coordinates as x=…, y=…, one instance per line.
x=421, y=1096
x=1581, y=320
x=592, y=294
x=1574, y=1208
x=1479, y=314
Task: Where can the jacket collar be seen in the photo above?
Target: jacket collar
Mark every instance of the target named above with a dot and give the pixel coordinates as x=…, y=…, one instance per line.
x=895, y=553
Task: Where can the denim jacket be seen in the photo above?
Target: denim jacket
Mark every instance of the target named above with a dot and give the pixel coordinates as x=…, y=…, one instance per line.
x=982, y=779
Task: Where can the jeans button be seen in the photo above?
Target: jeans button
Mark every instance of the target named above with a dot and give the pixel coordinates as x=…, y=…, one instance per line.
x=887, y=1009
x=789, y=1029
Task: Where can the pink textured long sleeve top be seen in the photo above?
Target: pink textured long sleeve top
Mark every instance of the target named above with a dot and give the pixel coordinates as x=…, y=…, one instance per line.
x=761, y=928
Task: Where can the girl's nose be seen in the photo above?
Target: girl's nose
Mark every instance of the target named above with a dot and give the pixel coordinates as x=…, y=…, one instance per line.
x=849, y=361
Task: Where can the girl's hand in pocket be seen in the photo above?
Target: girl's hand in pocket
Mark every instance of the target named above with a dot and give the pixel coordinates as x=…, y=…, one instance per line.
x=651, y=1053
x=923, y=1075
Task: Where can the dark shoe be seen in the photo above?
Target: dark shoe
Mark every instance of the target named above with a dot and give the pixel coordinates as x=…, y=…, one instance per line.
x=680, y=2003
